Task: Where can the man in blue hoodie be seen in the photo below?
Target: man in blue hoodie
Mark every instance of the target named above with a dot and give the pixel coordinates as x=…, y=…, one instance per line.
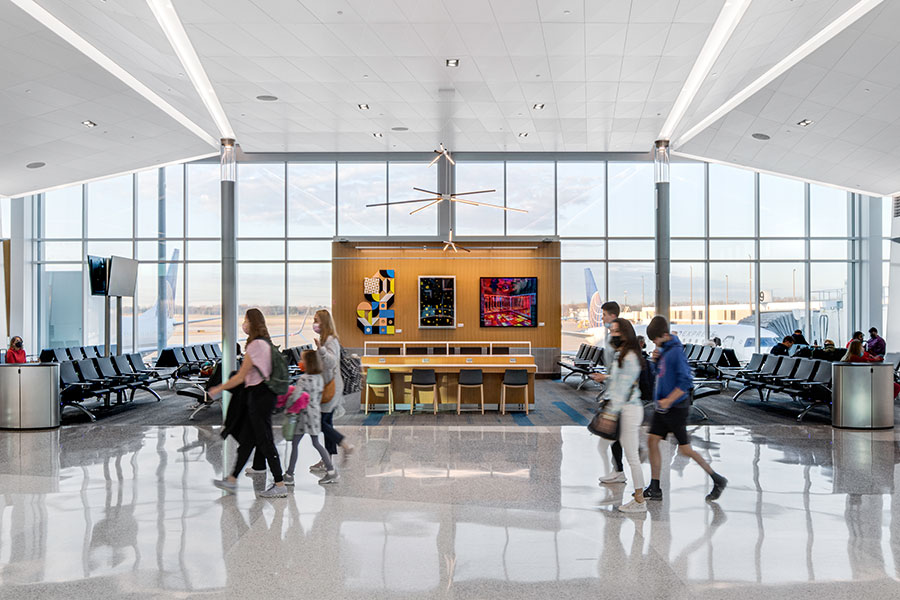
x=673, y=382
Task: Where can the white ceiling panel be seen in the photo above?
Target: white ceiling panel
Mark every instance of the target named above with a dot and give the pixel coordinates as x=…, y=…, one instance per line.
x=852, y=139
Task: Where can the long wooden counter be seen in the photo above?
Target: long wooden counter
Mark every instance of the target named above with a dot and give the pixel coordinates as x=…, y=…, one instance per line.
x=447, y=370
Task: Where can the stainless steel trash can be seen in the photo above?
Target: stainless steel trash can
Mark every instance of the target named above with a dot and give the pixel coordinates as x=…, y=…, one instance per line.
x=29, y=396
x=862, y=395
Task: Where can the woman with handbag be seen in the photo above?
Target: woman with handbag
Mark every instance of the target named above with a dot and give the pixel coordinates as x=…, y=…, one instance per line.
x=329, y=349
x=624, y=411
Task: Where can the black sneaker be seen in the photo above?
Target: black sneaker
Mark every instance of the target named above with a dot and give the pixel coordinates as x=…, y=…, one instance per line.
x=719, y=484
x=652, y=493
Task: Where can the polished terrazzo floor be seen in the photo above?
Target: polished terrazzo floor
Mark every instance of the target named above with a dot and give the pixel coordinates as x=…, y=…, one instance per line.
x=115, y=511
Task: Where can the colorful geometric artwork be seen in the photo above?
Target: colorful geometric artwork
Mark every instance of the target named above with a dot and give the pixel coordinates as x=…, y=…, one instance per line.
x=437, y=302
x=509, y=301
x=375, y=316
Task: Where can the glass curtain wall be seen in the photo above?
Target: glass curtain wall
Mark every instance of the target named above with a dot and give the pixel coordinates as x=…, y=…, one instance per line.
x=748, y=250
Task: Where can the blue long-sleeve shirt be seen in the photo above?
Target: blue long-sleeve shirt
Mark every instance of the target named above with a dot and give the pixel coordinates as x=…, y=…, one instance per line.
x=672, y=371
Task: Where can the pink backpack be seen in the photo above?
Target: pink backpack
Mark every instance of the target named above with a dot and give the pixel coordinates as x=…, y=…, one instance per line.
x=299, y=404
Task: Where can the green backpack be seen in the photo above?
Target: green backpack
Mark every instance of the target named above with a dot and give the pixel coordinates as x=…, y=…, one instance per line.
x=279, y=379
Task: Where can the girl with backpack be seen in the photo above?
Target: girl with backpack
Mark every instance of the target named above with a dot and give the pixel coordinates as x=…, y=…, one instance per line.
x=625, y=409
x=329, y=350
x=255, y=430
x=307, y=413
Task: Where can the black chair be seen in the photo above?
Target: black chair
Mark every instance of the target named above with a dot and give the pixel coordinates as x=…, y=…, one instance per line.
x=423, y=379
x=582, y=353
x=695, y=352
x=106, y=375
x=513, y=379
x=137, y=363
x=705, y=354
x=100, y=386
x=749, y=378
x=585, y=368
x=209, y=351
x=731, y=359
x=76, y=353
x=48, y=356
x=138, y=381
x=731, y=374
x=688, y=349
x=806, y=370
x=217, y=352
x=816, y=391
x=90, y=351
x=469, y=378
x=167, y=359
x=73, y=390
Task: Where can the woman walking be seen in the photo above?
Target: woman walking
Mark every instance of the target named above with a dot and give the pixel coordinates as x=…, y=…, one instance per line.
x=259, y=400
x=329, y=349
x=624, y=392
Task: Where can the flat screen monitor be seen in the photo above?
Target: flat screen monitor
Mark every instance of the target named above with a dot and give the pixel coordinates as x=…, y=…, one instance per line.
x=437, y=302
x=122, y=276
x=98, y=274
x=509, y=302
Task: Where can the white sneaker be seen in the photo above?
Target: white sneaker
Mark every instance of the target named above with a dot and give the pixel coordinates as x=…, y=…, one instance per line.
x=634, y=507
x=614, y=477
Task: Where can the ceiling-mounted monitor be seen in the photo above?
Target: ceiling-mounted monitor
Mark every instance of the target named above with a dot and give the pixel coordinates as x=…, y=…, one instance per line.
x=509, y=302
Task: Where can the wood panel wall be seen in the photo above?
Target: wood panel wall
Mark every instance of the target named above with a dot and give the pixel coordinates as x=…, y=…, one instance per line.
x=354, y=261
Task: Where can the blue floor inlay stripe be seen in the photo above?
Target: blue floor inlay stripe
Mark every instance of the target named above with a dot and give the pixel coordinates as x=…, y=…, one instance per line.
x=373, y=419
x=576, y=416
x=521, y=419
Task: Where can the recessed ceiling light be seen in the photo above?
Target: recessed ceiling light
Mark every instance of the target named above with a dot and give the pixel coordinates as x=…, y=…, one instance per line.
x=400, y=128
x=805, y=123
x=340, y=12
x=378, y=135
x=363, y=106
x=538, y=106
x=452, y=62
x=267, y=98
x=523, y=134
x=567, y=12
x=35, y=165
x=760, y=136
x=89, y=124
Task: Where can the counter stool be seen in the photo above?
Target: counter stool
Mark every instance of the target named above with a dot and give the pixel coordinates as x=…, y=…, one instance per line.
x=379, y=379
x=469, y=378
x=423, y=378
x=515, y=379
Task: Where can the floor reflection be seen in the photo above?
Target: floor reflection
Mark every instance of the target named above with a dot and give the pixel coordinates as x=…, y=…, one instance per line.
x=428, y=511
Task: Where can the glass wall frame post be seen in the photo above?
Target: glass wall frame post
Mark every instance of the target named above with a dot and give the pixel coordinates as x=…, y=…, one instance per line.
x=663, y=235
x=229, y=264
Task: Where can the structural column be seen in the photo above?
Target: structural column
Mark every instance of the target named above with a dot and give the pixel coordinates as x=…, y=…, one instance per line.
x=663, y=256
x=229, y=265
x=445, y=209
x=162, y=295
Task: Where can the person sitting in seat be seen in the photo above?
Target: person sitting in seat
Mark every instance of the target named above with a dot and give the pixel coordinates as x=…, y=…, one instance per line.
x=876, y=345
x=717, y=342
x=856, y=354
x=783, y=348
x=857, y=335
x=798, y=337
x=16, y=351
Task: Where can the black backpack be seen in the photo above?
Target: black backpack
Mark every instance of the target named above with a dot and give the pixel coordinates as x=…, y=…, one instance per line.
x=646, y=382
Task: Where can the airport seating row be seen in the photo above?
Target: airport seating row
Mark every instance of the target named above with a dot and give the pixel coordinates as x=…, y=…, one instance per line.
x=588, y=360
x=61, y=355
x=101, y=377
x=188, y=360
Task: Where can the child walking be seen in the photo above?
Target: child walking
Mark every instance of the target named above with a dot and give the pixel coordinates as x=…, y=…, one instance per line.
x=309, y=417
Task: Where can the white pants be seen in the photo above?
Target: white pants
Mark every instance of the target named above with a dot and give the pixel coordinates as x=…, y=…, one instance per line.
x=630, y=420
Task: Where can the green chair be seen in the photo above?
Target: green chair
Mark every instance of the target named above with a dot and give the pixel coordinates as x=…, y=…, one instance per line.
x=379, y=379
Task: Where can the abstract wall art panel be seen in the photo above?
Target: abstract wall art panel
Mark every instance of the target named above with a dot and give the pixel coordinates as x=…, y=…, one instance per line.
x=509, y=301
x=437, y=302
x=375, y=316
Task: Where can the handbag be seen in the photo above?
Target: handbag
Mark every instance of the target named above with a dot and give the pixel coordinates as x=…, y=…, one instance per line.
x=328, y=392
x=289, y=427
x=596, y=424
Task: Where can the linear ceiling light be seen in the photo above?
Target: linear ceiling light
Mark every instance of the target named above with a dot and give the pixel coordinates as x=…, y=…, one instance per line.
x=89, y=50
x=168, y=19
x=731, y=14
x=859, y=10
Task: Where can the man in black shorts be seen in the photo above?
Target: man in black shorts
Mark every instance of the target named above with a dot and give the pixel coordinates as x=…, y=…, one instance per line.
x=673, y=381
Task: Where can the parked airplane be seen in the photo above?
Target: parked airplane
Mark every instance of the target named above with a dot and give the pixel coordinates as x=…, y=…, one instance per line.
x=742, y=338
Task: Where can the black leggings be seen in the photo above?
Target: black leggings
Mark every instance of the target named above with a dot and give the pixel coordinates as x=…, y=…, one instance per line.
x=260, y=402
x=333, y=437
x=616, y=450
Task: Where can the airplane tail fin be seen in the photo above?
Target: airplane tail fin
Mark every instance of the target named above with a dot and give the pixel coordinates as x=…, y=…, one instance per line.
x=171, y=282
x=590, y=286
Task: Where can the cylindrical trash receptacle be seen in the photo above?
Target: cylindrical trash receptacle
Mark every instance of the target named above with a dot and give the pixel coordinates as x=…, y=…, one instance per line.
x=29, y=396
x=862, y=395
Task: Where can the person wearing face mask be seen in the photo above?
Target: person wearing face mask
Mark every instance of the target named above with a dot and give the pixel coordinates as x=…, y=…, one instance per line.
x=625, y=406
x=255, y=431
x=329, y=348
x=16, y=351
x=609, y=313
